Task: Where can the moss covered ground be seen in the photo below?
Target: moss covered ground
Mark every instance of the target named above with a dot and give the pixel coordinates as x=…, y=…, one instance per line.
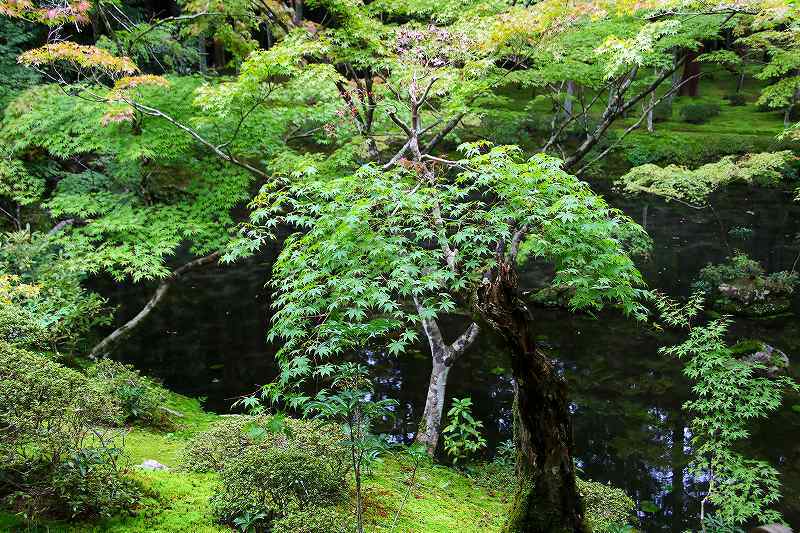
x=442, y=499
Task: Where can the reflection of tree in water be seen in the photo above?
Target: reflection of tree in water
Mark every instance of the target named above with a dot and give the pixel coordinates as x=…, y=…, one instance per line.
x=629, y=427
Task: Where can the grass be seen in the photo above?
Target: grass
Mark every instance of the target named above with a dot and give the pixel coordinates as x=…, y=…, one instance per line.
x=442, y=499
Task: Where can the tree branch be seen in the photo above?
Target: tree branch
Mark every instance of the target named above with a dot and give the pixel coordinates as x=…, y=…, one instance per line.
x=105, y=345
x=402, y=125
x=464, y=341
x=227, y=157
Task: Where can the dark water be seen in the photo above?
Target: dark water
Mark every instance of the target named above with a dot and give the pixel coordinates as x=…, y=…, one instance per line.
x=208, y=339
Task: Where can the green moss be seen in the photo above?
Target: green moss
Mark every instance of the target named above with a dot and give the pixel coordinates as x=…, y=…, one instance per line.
x=746, y=347
x=442, y=500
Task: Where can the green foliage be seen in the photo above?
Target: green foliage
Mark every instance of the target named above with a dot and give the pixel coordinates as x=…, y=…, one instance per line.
x=17, y=184
x=675, y=182
x=141, y=399
x=664, y=148
x=228, y=437
x=268, y=465
x=736, y=99
x=662, y=111
x=57, y=459
x=313, y=519
x=729, y=393
x=140, y=189
x=607, y=508
x=775, y=36
x=267, y=480
x=462, y=435
x=351, y=403
x=57, y=312
x=16, y=36
x=363, y=249
x=699, y=112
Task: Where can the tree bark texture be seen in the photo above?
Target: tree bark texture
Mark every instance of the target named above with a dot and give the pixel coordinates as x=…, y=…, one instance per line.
x=547, y=500
x=431, y=423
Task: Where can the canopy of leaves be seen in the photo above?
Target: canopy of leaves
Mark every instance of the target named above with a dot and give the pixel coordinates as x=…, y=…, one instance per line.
x=370, y=242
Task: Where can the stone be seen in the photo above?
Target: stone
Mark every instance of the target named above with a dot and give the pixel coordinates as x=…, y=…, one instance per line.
x=152, y=464
x=771, y=528
x=773, y=359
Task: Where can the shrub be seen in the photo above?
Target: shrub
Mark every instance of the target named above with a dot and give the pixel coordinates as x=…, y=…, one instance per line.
x=228, y=438
x=313, y=520
x=699, y=112
x=267, y=468
x=607, y=507
x=65, y=312
x=268, y=481
x=741, y=286
x=57, y=458
x=141, y=399
x=736, y=99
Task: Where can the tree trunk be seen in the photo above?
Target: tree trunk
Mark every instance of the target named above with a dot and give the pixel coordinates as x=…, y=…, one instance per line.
x=568, y=101
x=443, y=356
x=219, y=55
x=202, y=53
x=740, y=81
x=107, y=344
x=547, y=500
x=297, y=15
x=787, y=115
x=431, y=423
x=691, y=76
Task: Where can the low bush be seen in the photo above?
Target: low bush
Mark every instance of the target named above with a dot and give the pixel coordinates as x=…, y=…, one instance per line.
x=736, y=99
x=142, y=400
x=663, y=147
x=268, y=481
x=57, y=458
x=662, y=111
x=607, y=508
x=741, y=286
x=267, y=468
x=313, y=520
x=699, y=112
x=226, y=439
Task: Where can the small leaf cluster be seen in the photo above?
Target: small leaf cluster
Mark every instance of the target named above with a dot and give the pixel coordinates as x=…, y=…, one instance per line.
x=462, y=435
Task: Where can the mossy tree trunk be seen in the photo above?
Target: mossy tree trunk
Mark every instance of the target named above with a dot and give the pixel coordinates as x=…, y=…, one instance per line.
x=547, y=500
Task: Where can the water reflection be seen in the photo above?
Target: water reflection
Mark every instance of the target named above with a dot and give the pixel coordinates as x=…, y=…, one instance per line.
x=208, y=339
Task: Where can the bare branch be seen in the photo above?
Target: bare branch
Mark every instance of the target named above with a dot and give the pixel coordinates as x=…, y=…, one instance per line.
x=105, y=345
x=636, y=124
x=227, y=157
x=462, y=343
x=61, y=225
x=402, y=125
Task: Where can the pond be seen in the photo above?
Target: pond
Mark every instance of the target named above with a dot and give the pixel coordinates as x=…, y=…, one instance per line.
x=208, y=339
